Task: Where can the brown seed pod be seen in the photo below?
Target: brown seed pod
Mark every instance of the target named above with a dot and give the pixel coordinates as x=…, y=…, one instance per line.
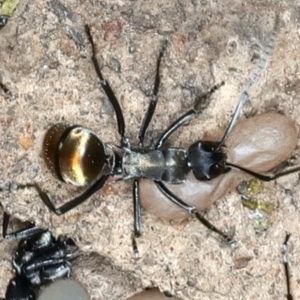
x=259, y=143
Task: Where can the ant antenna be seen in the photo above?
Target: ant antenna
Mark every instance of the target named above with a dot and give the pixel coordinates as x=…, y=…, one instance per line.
x=286, y=266
x=254, y=78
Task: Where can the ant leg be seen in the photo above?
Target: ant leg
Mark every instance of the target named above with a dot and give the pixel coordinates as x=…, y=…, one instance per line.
x=263, y=177
x=253, y=79
x=200, y=105
x=19, y=234
x=108, y=91
x=137, y=209
x=153, y=100
x=74, y=202
x=50, y=273
x=137, y=217
x=192, y=210
x=97, y=185
x=286, y=266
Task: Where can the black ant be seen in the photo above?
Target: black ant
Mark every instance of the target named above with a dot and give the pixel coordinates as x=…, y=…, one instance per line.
x=76, y=155
x=39, y=259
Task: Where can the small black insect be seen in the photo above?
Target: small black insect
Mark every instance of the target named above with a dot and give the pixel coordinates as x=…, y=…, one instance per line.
x=39, y=259
x=3, y=20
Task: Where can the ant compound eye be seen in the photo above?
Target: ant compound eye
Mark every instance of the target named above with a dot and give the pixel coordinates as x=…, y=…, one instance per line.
x=74, y=154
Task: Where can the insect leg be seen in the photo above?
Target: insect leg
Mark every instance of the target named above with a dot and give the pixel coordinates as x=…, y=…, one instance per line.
x=74, y=202
x=153, y=100
x=137, y=231
x=137, y=209
x=192, y=210
x=254, y=78
x=263, y=177
x=97, y=185
x=108, y=91
x=19, y=234
x=200, y=104
x=286, y=266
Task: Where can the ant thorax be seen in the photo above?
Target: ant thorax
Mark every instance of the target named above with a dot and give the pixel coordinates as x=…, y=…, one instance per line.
x=169, y=165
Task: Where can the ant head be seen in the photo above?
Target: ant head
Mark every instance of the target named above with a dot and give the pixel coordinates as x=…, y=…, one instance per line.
x=207, y=160
x=74, y=154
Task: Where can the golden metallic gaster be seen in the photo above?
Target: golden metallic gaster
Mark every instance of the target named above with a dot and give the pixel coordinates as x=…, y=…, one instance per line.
x=74, y=154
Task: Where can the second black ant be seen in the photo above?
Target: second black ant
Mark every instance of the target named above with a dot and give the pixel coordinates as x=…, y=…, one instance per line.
x=39, y=259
